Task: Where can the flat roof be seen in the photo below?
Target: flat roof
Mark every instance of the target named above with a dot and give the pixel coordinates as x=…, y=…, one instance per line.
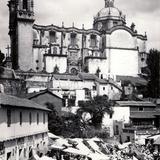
x=15, y=102
x=136, y=103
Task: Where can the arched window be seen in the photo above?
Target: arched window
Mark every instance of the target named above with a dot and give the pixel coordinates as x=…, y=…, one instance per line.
x=25, y=4
x=74, y=71
x=87, y=93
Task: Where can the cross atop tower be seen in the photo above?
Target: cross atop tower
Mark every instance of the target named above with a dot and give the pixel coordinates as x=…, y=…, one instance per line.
x=109, y=3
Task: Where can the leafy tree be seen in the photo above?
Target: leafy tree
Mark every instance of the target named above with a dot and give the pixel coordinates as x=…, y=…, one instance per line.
x=55, y=122
x=96, y=107
x=2, y=56
x=153, y=62
x=65, y=125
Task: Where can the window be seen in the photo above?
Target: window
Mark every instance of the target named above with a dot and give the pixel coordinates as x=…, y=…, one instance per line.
x=42, y=136
x=8, y=117
x=25, y=152
x=141, y=109
x=30, y=118
x=44, y=118
x=84, y=41
x=73, y=39
x=74, y=71
x=37, y=118
x=94, y=88
x=110, y=115
x=115, y=23
x=52, y=36
x=104, y=88
x=55, y=50
x=93, y=40
x=8, y=155
x=20, y=118
x=25, y=4
x=87, y=93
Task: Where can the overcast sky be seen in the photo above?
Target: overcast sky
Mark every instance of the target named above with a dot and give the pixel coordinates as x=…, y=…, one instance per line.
x=144, y=13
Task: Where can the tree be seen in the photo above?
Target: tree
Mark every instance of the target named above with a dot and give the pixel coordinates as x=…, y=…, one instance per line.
x=153, y=62
x=55, y=123
x=96, y=107
x=2, y=56
x=66, y=125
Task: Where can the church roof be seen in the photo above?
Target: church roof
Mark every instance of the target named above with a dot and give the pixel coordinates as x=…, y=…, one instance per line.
x=66, y=77
x=87, y=76
x=110, y=11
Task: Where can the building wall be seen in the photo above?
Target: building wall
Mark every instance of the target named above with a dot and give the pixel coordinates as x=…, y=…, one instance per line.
x=72, y=85
x=123, y=62
x=38, y=59
x=49, y=98
x=25, y=43
x=20, y=148
x=94, y=64
x=119, y=114
x=17, y=130
x=52, y=61
x=122, y=39
x=109, y=90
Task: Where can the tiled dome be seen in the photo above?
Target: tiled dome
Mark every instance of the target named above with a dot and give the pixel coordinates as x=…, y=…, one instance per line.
x=109, y=11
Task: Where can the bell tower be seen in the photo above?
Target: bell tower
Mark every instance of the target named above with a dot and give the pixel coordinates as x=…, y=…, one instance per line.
x=21, y=19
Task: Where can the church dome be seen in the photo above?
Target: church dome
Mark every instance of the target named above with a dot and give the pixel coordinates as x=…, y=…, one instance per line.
x=109, y=11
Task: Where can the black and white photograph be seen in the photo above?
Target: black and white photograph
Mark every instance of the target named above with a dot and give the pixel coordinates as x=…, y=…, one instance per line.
x=79, y=80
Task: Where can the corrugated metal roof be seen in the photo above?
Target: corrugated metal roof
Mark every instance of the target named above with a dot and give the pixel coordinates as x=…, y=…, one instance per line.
x=136, y=103
x=7, y=100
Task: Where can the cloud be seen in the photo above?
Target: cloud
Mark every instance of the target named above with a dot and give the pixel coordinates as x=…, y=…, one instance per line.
x=145, y=14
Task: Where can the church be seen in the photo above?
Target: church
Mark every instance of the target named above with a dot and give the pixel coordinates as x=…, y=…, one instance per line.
x=59, y=58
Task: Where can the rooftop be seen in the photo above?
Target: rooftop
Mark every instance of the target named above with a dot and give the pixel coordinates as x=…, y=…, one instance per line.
x=66, y=77
x=137, y=81
x=136, y=103
x=143, y=115
x=15, y=102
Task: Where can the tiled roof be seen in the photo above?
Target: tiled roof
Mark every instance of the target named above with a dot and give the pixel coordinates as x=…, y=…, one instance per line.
x=157, y=141
x=66, y=77
x=143, y=114
x=35, y=94
x=87, y=76
x=136, y=103
x=14, y=102
x=134, y=80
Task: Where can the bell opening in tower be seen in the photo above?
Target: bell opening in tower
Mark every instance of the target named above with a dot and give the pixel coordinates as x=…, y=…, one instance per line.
x=25, y=4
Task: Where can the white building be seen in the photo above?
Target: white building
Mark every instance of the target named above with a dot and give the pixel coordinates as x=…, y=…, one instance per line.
x=23, y=126
x=110, y=46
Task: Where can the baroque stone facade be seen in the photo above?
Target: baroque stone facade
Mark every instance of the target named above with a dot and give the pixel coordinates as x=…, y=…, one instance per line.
x=110, y=48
